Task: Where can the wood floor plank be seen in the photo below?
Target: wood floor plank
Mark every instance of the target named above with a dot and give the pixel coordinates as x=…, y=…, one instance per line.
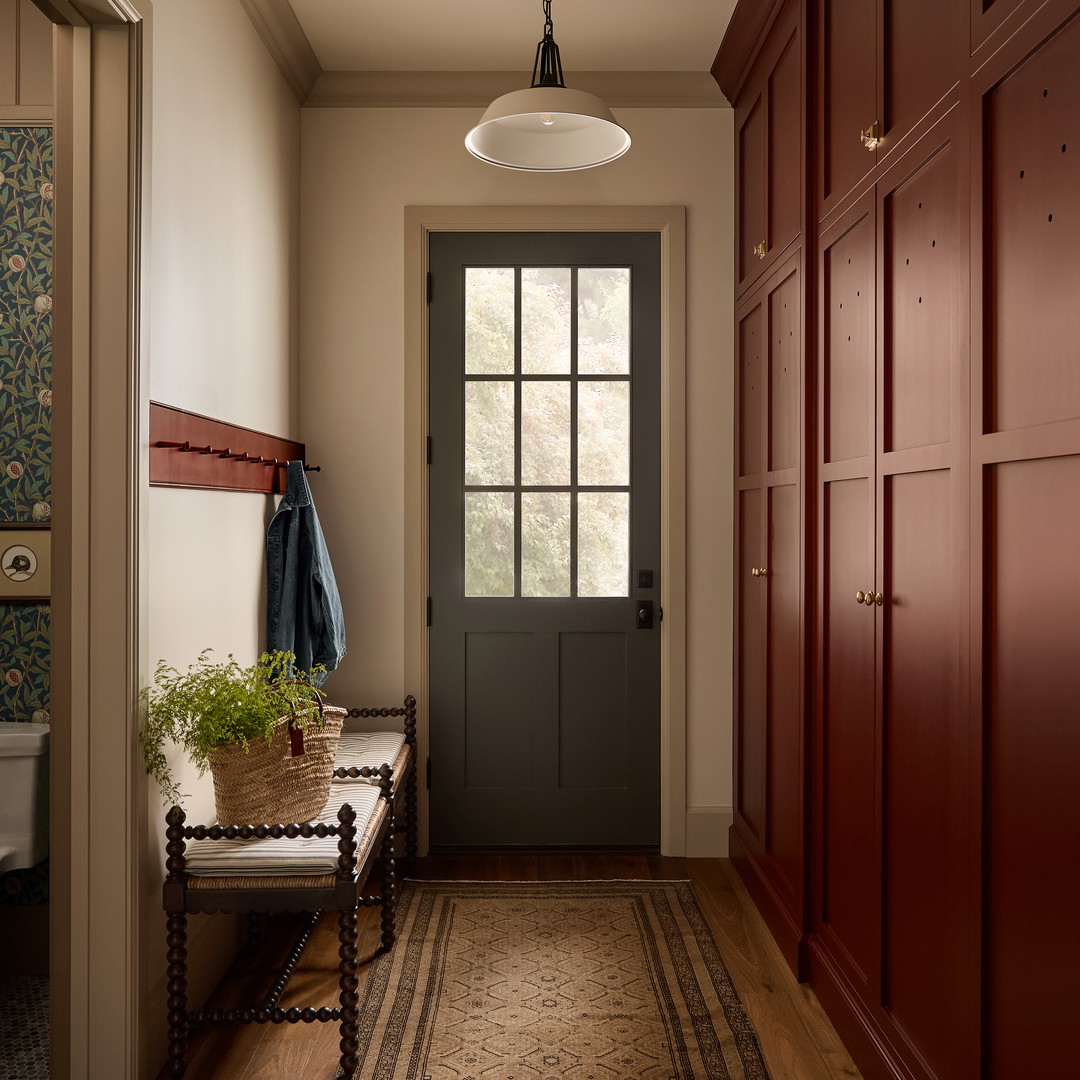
x=665, y=868
x=516, y=867
x=796, y=1037
x=554, y=866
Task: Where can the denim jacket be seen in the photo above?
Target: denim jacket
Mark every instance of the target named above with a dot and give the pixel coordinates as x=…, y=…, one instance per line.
x=303, y=607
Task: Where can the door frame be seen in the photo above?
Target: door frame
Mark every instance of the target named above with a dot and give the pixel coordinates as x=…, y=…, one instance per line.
x=670, y=223
x=101, y=79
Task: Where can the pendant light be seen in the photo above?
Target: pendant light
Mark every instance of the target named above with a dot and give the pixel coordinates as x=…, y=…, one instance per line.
x=548, y=127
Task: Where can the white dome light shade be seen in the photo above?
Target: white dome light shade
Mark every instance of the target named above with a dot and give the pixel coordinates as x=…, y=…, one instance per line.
x=547, y=129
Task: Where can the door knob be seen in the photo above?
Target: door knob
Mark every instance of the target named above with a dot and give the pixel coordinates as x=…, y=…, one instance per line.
x=860, y=596
x=878, y=599
x=760, y=250
x=758, y=571
x=644, y=614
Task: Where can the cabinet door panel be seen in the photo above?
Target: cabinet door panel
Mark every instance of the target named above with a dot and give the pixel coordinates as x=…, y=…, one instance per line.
x=785, y=352
x=784, y=841
x=785, y=145
x=923, y=231
x=750, y=719
x=926, y=778
x=923, y=52
x=849, y=875
x=1033, y=745
x=848, y=320
x=751, y=390
x=753, y=182
x=848, y=79
x=1032, y=272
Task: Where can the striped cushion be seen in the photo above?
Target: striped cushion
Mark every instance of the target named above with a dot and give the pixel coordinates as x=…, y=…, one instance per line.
x=228, y=858
x=371, y=748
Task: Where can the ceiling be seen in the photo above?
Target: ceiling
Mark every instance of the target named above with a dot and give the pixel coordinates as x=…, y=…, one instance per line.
x=501, y=35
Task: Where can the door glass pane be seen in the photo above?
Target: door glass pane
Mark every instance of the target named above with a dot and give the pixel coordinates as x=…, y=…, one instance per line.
x=489, y=320
x=545, y=433
x=545, y=321
x=489, y=432
x=604, y=433
x=489, y=543
x=603, y=543
x=604, y=321
x=545, y=543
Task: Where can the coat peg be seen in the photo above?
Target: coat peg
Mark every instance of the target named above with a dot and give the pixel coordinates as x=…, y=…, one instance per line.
x=171, y=445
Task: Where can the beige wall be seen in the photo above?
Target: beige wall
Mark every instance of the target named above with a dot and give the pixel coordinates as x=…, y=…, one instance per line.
x=361, y=168
x=223, y=330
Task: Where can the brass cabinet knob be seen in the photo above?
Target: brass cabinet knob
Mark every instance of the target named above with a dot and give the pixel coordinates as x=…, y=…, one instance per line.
x=878, y=599
x=760, y=250
x=871, y=136
x=860, y=596
x=758, y=571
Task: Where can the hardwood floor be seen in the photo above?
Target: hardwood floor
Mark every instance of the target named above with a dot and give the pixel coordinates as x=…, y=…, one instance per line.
x=798, y=1041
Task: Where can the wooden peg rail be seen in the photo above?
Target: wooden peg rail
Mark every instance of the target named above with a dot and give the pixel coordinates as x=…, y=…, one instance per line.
x=189, y=450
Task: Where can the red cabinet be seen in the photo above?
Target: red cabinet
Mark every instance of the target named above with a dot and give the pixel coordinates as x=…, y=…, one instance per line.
x=882, y=66
x=907, y=728
x=1026, y=491
x=769, y=834
x=894, y=842
x=768, y=127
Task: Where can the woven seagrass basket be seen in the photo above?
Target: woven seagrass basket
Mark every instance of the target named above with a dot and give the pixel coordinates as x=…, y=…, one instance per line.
x=266, y=785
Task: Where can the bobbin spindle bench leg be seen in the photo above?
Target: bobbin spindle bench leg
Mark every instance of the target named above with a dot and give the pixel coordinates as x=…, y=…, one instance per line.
x=348, y=998
x=176, y=930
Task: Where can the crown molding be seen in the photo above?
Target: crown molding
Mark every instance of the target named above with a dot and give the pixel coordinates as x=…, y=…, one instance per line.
x=469, y=89
x=276, y=23
x=749, y=24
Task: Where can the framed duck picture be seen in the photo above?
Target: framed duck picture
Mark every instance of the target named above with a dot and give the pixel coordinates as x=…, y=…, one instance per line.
x=25, y=563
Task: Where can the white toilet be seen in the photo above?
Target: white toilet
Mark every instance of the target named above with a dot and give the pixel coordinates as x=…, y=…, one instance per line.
x=24, y=795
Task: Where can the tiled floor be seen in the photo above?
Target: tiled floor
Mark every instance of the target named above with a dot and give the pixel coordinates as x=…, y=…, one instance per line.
x=24, y=1027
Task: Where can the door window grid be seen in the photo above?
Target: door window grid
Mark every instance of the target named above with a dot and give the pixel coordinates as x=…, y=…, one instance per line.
x=545, y=519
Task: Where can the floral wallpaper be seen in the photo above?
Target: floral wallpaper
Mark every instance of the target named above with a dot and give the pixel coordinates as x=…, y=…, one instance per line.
x=26, y=248
x=24, y=662
x=26, y=236
x=26, y=242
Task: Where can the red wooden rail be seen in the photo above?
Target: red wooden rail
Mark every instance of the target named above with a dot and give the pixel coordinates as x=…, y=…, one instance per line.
x=189, y=450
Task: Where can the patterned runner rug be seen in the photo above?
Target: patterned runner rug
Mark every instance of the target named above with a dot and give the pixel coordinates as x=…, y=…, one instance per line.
x=558, y=980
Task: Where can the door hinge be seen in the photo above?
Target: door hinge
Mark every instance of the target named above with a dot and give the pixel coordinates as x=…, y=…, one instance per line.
x=429, y=774
x=661, y=610
x=429, y=611
x=429, y=449
x=429, y=286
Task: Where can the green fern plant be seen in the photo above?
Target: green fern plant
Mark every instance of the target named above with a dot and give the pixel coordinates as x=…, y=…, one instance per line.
x=221, y=703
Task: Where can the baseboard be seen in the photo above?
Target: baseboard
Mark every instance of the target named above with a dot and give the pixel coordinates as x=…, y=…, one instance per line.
x=707, y=831
x=867, y=1044
x=787, y=933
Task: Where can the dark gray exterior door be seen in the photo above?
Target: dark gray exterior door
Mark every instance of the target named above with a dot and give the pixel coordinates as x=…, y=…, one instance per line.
x=545, y=538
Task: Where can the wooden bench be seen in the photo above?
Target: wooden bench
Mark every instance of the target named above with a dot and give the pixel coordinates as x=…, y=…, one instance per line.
x=317, y=866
